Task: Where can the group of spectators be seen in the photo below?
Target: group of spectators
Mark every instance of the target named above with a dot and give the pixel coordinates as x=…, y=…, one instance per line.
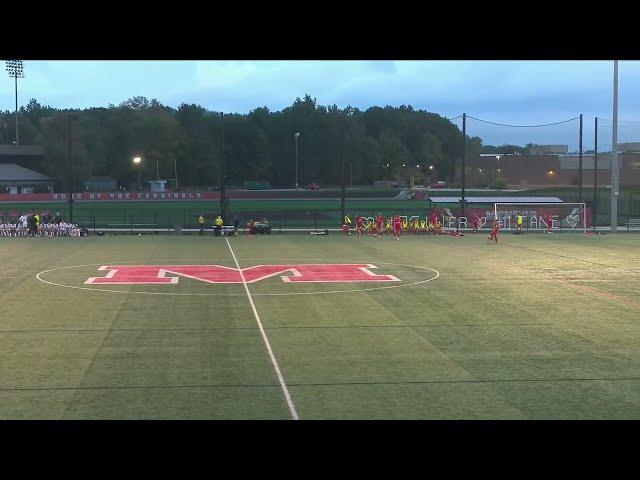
x=34, y=224
x=219, y=229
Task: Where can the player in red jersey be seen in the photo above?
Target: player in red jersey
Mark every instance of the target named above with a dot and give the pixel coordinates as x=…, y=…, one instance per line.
x=379, y=225
x=251, y=226
x=474, y=223
x=359, y=225
x=397, y=226
x=494, y=231
x=549, y=220
x=433, y=219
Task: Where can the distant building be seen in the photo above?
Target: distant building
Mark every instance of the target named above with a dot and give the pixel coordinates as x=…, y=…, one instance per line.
x=157, y=185
x=560, y=170
x=548, y=150
x=101, y=184
x=629, y=147
x=24, y=155
x=15, y=179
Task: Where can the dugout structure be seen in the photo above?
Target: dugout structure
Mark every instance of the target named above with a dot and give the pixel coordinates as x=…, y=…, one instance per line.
x=541, y=217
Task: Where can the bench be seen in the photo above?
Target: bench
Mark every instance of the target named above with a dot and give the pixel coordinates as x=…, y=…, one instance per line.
x=633, y=222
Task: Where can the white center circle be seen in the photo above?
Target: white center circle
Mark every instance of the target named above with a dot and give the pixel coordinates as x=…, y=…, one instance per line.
x=40, y=275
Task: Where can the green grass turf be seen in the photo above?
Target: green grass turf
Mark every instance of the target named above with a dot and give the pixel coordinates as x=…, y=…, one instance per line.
x=536, y=327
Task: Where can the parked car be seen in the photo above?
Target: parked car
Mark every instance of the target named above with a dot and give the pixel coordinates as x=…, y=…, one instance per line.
x=439, y=184
x=312, y=186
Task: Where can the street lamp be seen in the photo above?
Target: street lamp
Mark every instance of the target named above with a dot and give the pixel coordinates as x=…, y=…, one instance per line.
x=385, y=166
x=296, y=137
x=15, y=69
x=137, y=161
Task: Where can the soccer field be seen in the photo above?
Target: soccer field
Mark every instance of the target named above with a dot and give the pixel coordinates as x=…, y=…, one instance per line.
x=535, y=327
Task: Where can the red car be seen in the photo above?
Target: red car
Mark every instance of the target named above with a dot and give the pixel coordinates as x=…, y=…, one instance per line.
x=439, y=185
x=312, y=186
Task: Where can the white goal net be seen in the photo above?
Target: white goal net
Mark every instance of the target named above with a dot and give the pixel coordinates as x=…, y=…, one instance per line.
x=541, y=217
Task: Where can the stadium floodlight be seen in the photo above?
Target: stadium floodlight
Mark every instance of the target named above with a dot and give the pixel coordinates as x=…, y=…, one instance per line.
x=430, y=167
x=15, y=70
x=138, y=162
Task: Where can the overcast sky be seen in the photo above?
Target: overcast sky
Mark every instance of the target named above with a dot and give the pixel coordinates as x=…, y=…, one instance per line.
x=518, y=92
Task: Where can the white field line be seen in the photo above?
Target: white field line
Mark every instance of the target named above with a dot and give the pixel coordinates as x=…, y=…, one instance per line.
x=274, y=362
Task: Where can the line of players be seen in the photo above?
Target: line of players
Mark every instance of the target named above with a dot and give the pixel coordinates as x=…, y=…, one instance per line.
x=395, y=225
x=32, y=225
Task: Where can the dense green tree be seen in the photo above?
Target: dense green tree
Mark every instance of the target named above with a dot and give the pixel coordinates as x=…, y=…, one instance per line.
x=259, y=145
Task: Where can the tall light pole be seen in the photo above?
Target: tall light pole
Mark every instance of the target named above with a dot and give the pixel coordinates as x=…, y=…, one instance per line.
x=222, y=174
x=615, y=175
x=342, y=192
x=15, y=69
x=464, y=166
x=70, y=117
x=296, y=137
x=137, y=161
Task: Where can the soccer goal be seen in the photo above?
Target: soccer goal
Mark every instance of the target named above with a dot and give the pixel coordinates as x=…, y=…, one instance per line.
x=564, y=217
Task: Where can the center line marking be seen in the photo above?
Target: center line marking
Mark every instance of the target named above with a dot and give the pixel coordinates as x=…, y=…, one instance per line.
x=274, y=362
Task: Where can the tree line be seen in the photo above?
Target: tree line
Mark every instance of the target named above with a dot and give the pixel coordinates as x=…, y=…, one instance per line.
x=258, y=146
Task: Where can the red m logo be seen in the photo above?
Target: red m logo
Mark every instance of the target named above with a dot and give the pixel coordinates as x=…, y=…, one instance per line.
x=155, y=274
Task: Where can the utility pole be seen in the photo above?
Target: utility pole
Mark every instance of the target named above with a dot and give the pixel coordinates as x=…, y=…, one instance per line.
x=342, y=181
x=580, y=164
x=464, y=161
x=222, y=182
x=615, y=174
x=69, y=169
x=296, y=139
x=594, y=210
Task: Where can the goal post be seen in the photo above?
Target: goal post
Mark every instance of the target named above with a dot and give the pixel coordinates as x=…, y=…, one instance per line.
x=563, y=217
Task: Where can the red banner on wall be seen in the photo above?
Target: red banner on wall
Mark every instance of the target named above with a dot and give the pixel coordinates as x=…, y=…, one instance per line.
x=99, y=197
